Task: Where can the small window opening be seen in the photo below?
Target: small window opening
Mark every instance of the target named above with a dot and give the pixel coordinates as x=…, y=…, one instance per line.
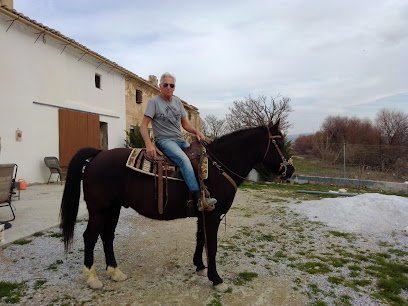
x=97, y=81
x=139, y=96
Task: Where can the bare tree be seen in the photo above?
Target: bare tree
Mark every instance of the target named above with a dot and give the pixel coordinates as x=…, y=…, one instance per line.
x=251, y=112
x=393, y=126
x=214, y=127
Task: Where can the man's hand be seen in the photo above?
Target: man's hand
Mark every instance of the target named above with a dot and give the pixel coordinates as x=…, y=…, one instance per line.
x=199, y=135
x=151, y=150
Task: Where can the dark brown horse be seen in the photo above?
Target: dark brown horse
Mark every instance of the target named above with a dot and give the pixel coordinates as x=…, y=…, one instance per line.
x=108, y=185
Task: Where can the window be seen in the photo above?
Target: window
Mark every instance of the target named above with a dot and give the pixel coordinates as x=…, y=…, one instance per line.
x=97, y=80
x=139, y=96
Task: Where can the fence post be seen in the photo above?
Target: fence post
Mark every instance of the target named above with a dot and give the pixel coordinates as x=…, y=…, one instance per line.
x=344, y=159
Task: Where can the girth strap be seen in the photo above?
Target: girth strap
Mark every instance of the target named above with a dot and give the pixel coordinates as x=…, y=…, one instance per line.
x=160, y=187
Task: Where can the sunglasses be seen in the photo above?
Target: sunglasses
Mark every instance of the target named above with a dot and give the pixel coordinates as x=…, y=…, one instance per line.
x=167, y=84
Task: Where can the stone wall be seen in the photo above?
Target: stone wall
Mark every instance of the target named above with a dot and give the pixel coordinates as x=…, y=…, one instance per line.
x=135, y=111
x=374, y=185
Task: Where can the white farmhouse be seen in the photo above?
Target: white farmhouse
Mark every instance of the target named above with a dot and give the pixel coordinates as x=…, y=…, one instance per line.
x=57, y=96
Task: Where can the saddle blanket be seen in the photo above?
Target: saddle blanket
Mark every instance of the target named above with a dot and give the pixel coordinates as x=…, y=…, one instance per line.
x=137, y=161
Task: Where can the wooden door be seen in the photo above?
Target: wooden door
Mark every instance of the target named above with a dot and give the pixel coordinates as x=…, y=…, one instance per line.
x=76, y=130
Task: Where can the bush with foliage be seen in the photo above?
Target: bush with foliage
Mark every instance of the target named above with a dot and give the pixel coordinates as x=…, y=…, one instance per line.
x=134, y=138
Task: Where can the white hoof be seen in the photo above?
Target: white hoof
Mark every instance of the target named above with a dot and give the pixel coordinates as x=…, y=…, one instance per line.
x=221, y=287
x=202, y=272
x=92, y=279
x=116, y=274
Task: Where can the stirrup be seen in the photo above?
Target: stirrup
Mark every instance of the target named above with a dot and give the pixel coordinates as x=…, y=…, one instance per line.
x=208, y=205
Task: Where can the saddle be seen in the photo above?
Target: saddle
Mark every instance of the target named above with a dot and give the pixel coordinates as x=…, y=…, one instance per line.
x=163, y=169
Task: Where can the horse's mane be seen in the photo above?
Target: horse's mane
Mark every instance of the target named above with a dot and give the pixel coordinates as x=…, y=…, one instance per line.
x=232, y=139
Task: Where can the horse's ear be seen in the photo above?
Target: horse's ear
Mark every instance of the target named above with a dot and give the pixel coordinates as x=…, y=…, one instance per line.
x=275, y=126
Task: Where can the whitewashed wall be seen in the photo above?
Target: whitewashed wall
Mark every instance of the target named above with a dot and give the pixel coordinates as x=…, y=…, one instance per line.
x=40, y=72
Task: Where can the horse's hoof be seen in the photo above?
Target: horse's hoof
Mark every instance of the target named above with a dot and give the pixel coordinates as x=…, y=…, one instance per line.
x=221, y=287
x=202, y=272
x=116, y=274
x=94, y=283
x=92, y=279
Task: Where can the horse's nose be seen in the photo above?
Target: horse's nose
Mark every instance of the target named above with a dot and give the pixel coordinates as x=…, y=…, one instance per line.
x=288, y=173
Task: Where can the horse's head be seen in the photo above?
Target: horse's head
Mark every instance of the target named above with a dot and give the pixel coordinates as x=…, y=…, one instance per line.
x=276, y=157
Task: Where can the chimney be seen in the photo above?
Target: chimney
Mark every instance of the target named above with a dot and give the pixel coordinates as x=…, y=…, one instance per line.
x=7, y=3
x=153, y=80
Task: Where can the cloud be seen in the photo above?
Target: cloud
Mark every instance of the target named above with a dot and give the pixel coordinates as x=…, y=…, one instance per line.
x=329, y=57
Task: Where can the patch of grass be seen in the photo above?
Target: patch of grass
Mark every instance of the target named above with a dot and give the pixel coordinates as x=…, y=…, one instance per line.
x=245, y=277
x=337, y=261
x=12, y=292
x=354, y=274
x=354, y=268
x=345, y=300
x=279, y=255
x=54, y=266
x=55, y=235
x=397, y=252
x=319, y=303
x=253, y=186
x=314, y=289
x=246, y=231
x=347, y=236
x=335, y=280
x=236, y=236
x=229, y=246
x=22, y=241
x=360, y=282
x=356, y=283
x=249, y=254
x=216, y=300
x=39, y=283
x=392, y=276
x=266, y=237
x=313, y=267
x=38, y=234
x=385, y=244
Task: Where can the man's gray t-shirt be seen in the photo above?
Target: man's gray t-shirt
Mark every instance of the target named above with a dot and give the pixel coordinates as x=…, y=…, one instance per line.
x=166, y=117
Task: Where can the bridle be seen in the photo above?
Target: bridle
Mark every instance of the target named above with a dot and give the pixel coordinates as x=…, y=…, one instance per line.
x=284, y=164
x=220, y=166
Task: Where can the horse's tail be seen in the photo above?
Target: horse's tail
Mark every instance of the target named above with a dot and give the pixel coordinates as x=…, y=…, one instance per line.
x=72, y=191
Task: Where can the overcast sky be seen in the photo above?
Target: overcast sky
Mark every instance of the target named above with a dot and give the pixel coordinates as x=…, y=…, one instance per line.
x=333, y=57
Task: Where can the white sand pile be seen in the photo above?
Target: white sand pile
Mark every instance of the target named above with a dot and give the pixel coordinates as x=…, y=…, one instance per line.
x=365, y=213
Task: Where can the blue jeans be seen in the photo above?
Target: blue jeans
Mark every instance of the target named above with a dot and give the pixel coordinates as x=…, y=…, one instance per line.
x=172, y=148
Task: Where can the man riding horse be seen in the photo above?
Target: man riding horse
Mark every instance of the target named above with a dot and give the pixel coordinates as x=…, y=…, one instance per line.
x=166, y=113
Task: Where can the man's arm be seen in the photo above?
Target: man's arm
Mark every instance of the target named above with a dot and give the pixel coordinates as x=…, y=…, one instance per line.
x=185, y=123
x=150, y=148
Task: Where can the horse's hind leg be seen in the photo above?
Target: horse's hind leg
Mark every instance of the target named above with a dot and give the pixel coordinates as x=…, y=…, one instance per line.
x=108, y=235
x=198, y=254
x=91, y=234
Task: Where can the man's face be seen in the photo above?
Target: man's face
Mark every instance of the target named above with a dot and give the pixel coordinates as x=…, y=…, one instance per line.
x=167, y=87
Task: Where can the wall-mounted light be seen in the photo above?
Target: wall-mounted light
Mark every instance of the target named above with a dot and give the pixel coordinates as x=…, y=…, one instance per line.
x=19, y=135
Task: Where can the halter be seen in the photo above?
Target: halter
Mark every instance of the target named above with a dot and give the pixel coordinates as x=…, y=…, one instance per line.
x=284, y=164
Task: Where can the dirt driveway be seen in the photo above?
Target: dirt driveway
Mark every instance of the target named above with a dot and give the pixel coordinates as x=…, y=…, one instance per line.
x=268, y=254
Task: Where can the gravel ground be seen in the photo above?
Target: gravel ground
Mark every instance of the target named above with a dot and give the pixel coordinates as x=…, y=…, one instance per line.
x=272, y=251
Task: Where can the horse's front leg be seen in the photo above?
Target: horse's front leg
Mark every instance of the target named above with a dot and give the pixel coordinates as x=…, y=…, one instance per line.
x=198, y=254
x=212, y=222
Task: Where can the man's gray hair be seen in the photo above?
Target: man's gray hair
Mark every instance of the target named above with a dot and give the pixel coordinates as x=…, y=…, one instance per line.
x=167, y=75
